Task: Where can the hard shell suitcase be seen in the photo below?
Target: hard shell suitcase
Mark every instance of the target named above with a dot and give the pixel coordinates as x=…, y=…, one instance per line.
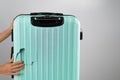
x=49, y=45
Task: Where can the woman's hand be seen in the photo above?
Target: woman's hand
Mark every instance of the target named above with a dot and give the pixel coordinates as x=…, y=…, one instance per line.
x=11, y=68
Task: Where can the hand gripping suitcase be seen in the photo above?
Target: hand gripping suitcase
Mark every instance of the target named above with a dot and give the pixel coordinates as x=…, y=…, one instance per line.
x=49, y=45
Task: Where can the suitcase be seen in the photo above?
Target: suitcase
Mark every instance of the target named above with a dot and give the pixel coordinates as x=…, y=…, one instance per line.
x=49, y=45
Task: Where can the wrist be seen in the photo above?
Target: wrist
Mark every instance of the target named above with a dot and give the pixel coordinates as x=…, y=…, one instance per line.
x=2, y=69
x=10, y=28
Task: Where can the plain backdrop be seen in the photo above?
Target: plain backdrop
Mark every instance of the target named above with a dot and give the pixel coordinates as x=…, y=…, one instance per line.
x=100, y=21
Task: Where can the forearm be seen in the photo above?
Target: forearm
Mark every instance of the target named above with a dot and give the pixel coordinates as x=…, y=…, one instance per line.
x=5, y=33
x=0, y=69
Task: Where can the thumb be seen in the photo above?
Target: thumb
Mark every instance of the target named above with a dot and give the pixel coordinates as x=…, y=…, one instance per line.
x=11, y=60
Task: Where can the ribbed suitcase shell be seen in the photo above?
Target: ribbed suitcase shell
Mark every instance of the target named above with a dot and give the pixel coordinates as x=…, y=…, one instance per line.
x=49, y=53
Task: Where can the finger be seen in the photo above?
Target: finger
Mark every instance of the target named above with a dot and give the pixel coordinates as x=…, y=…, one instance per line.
x=17, y=66
x=12, y=22
x=17, y=63
x=12, y=57
x=17, y=69
x=16, y=73
x=11, y=60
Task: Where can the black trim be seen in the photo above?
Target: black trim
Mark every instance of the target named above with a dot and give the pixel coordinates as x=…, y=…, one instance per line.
x=12, y=51
x=45, y=13
x=81, y=35
x=12, y=35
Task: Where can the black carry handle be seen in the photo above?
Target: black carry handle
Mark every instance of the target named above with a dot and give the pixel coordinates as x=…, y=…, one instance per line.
x=47, y=20
x=45, y=13
x=11, y=57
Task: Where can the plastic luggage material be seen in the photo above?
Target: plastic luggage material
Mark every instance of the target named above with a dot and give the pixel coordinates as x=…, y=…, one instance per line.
x=49, y=45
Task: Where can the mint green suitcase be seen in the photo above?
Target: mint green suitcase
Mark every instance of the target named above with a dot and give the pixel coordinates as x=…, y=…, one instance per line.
x=49, y=45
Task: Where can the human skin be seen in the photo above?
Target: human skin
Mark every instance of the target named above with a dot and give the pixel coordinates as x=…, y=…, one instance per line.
x=10, y=67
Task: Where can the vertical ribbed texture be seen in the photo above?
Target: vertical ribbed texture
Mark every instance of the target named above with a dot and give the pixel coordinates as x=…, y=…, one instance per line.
x=49, y=53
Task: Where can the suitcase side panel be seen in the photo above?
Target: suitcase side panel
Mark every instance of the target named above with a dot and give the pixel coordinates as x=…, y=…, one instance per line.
x=48, y=53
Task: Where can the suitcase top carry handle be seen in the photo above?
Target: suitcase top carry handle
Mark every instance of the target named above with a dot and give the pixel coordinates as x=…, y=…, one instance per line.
x=45, y=13
x=47, y=20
